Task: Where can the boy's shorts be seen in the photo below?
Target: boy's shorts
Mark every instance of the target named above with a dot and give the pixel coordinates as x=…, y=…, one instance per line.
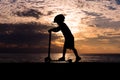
x=69, y=43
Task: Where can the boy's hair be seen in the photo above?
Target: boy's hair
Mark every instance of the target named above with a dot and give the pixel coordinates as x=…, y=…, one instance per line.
x=59, y=18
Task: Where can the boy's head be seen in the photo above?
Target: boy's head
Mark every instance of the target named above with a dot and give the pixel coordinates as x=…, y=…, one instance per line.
x=59, y=18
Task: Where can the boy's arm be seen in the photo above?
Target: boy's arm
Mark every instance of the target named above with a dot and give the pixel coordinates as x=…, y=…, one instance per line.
x=54, y=29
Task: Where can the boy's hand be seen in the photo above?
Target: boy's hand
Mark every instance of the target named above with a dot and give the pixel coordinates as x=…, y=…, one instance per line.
x=49, y=31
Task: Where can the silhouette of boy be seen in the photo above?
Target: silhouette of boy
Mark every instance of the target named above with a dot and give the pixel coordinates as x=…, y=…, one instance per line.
x=69, y=38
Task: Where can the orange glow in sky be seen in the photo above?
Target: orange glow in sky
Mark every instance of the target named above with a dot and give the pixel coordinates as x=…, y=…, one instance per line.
x=94, y=24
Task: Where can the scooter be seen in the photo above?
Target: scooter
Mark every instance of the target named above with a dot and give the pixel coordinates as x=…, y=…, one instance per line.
x=48, y=59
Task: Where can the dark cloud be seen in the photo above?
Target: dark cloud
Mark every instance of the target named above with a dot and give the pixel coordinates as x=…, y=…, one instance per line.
x=90, y=0
x=114, y=40
x=13, y=1
x=111, y=7
x=118, y=2
x=110, y=36
x=104, y=22
x=23, y=33
x=35, y=1
x=92, y=13
x=23, y=38
x=101, y=21
x=29, y=13
x=32, y=35
x=113, y=34
x=50, y=12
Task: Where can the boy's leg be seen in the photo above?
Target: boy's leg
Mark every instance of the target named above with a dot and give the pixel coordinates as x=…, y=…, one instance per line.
x=76, y=54
x=63, y=56
x=64, y=52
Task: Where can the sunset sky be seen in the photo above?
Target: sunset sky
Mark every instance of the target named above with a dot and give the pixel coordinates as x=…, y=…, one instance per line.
x=95, y=24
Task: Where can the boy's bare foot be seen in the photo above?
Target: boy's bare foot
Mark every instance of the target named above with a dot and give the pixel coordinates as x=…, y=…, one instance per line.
x=77, y=59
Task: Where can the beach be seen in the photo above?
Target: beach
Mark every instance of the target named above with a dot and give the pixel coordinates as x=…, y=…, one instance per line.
x=39, y=57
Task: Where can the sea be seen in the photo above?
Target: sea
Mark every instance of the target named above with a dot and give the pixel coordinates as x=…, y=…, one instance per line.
x=39, y=57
